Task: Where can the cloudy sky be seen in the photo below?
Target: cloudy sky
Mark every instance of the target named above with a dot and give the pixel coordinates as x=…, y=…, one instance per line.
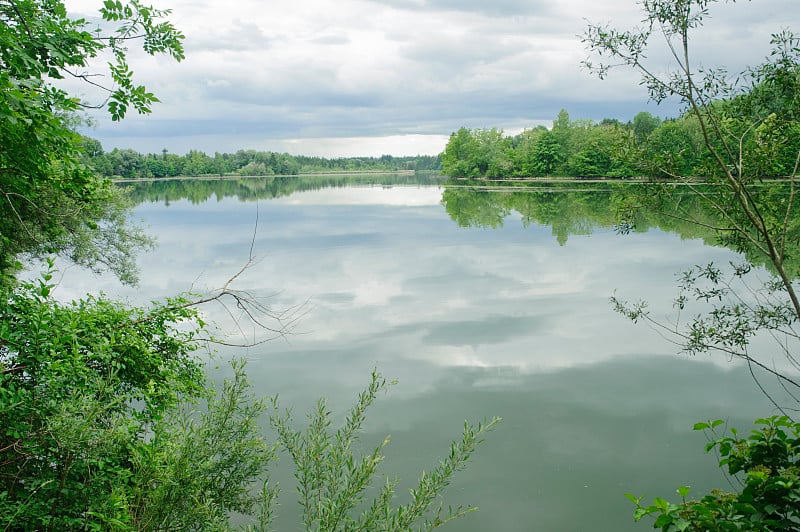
x=368, y=77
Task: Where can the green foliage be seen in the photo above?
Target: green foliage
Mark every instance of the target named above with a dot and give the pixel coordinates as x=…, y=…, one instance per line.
x=107, y=422
x=765, y=464
x=201, y=464
x=332, y=479
x=736, y=129
x=579, y=149
x=50, y=202
x=673, y=149
x=457, y=159
x=548, y=154
x=643, y=124
x=129, y=164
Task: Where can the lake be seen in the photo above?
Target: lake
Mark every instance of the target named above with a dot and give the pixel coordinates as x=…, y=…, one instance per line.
x=478, y=310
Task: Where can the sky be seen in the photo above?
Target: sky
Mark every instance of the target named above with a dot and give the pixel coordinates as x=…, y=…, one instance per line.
x=373, y=77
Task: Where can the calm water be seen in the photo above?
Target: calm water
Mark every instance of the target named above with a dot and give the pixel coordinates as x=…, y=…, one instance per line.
x=474, y=323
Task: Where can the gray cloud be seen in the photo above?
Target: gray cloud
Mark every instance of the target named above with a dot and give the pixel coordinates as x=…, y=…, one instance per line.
x=302, y=93
x=382, y=68
x=494, y=8
x=239, y=36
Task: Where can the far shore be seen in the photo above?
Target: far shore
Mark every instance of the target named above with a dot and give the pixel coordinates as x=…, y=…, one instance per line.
x=237, y=176
x=520, y=180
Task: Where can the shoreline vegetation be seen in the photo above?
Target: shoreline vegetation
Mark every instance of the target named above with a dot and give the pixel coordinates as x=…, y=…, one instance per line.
x=452, y=182
x=129, y=164
x=671, y=149
x=209, y=177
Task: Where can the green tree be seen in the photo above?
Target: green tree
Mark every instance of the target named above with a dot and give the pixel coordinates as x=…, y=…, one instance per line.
x=51, y=202
x=492, y=156
x=598, y=150
x=459, y=157
x=523, y=154
x=549, y=154
x=643, y=124
x=761, y=225
x=157, y=167
x=127, y=163
x=197, y=163
x=253, y=169
x=673, y=149
x=562, y=122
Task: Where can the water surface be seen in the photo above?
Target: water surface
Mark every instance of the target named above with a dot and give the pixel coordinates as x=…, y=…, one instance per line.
x=474, y=321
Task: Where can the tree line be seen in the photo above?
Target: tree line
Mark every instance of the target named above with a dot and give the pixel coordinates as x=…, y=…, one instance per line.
x=646, y=146
x=130, y=164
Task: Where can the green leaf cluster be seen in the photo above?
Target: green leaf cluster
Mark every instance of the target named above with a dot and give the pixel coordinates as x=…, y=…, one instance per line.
x=765, y=464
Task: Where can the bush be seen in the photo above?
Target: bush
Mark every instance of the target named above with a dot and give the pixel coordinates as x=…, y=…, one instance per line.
x=766, y=464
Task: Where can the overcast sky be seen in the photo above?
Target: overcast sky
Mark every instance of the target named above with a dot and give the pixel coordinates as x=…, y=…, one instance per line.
x=372, y=77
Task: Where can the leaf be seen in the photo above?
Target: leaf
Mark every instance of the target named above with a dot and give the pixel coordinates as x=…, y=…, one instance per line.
x=661, y=504
x=663, y=521
x=634, y=499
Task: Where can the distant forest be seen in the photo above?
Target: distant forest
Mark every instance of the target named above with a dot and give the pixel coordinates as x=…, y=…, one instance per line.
x=130, y=164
